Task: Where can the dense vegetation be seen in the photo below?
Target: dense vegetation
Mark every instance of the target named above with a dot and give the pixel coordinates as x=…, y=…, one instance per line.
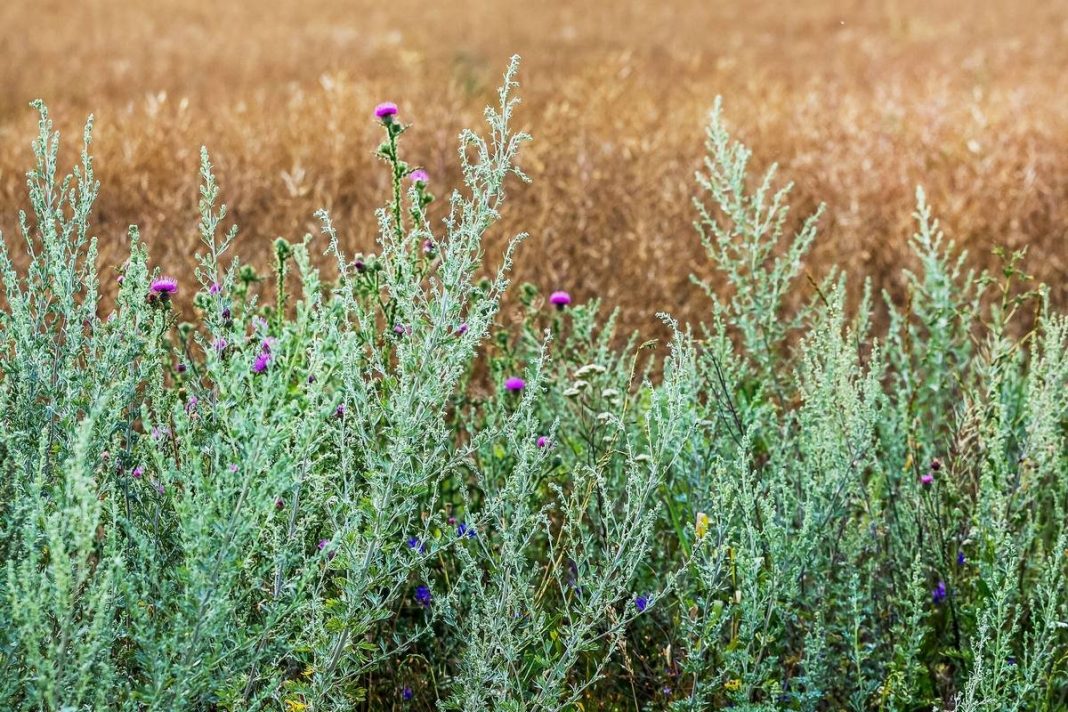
x=372, y=492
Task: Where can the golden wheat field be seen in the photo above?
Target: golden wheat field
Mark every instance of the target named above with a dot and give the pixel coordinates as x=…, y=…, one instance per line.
x=858, y=101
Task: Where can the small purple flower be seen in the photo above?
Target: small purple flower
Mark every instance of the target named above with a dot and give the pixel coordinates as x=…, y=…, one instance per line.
x=191, y=404
x=311, y=378
x=386, y=110
x=260, y=364
x=226, y=315
x=402, y=330
x=164, y=287
x=138, y=472
x=279, y=504
x=462, y=329
x=339, y=412
x=360, y=265
x=215, y=288
x=428, y=247
x=180, y=368
x=415, y=545
x=120, y=279
x=419, y=176
x=266, y=344
x=641, y=602
x=560, y=299
x=465, y=530
x=159, y=487
x=939, y=593
x=406, y=694
x=423, y=596
x=960, y=558
x=233, y=468
x=323, y=543
x=927, y=480
x=1011, y=660
x=936, y=464
x=543, y=441
x=219, y=344
x=515, y=384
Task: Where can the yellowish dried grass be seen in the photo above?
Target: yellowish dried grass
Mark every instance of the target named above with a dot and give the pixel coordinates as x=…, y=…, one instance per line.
x=858, y=101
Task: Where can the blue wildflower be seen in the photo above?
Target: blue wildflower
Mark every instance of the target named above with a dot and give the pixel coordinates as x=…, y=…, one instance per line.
x=939, y=593
x=640, y=603
x=423, y=596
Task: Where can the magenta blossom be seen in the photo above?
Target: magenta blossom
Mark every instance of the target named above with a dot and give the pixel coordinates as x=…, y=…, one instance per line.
x=385, y=110
x=559, y=299
x=543, y=441
x=164, y=287
x=927, y=480
x=137, y=472
x=462, y=329
x=419, y=176
x=215, y=288
x=515, y=384
x=260, y=364
x=219, y=344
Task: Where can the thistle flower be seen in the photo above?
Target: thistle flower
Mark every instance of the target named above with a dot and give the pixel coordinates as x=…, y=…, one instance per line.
x=219, y=344
x=215, y=288
x=515, y=384
x=428, y=246
x=386, y=110
x=339, y=412
x=462, y=329
x=641, y=602
x=191, y=405
x=543, y=441
x=402, y=329
x=323, y=543
x=260, y=364
x=419, y=177
x=164, y=287
x=180, y=368
x=927, y=479
x=560, y=299
x=938, y=594
x=936, y=464
x=360, y=265
x=138, y=472
x=279, y=504
x=423, y=596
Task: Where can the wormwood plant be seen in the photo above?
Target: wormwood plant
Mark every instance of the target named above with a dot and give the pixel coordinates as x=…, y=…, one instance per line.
x=369, y=492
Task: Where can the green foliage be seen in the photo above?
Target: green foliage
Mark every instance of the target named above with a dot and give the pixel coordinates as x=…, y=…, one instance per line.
x=334, y=494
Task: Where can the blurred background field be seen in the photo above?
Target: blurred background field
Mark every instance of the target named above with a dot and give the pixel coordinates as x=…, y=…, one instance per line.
x=858, y=102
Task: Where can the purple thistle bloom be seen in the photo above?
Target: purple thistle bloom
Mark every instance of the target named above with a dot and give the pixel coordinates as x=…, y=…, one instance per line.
x=402, y=330
x=465, y=530
x=423, y=596
x=279, y=504
x=360, y=265
x=939, y=593
x=180, y=368
x=164, y=287
x=260, y=364
x=419, y=176
x=515, y=384
x=323, y=543
x=120, y=279
x=226, y=314
x=406, y=694
x=560, y=299
x=233, y=468
x=191, y=404
x=641, y=602
x=339, y=412
x=159, y=487
x=927, y=480
x=385, y=110
x=543, y=441
x=215, y=288
x=428, y=246
x=462, y=329
x=311, y=378
x=936, y=464
x=138, y=472
x=219, y=344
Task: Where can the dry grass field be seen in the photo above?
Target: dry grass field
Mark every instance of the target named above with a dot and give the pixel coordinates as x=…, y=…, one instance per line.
x=858, y=102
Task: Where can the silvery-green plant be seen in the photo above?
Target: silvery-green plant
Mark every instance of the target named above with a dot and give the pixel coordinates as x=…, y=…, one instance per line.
x=369, y=491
